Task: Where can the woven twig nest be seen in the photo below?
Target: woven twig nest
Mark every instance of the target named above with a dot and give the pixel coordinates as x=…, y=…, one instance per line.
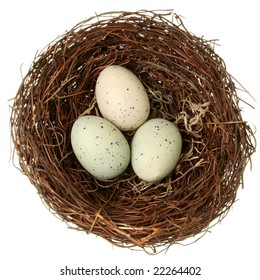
x=187, y=83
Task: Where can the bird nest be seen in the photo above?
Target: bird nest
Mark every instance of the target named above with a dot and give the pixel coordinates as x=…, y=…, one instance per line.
x=187, y=83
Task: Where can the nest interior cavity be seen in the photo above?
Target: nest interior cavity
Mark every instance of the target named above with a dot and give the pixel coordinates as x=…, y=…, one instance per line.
x=187, y=83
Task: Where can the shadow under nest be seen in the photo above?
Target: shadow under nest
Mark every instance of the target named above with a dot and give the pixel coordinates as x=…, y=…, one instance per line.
x=187, y=83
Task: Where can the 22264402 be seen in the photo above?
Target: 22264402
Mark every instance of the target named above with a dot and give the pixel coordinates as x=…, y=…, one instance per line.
x=177, y=270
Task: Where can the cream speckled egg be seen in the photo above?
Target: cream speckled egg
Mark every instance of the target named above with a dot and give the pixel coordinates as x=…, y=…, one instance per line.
x=122, y=98
x=100, y=147
x=156, y=149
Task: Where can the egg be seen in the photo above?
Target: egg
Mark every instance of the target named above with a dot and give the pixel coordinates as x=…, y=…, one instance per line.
x=122, y=98
x=155, y=149
x=100, y=147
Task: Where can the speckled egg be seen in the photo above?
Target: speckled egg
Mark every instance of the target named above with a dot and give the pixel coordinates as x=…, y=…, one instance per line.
x=156, y=149
x=122, y=98
x=100, y=147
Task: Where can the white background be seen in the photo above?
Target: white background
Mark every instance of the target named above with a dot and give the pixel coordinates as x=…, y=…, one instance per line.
x=36, y=245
